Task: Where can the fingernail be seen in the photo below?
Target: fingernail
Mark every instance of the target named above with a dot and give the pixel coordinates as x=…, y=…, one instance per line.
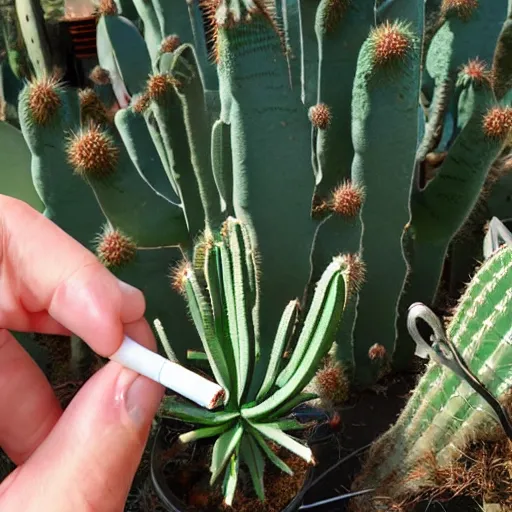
x=142, y=400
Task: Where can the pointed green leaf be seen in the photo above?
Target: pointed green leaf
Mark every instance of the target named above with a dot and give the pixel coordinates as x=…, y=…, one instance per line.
x=223, y=449
x=312, y=320
x=269, y=453
x=253, y=292
x=287, y=407
x=172, y=408
x=228, y=287
x=284, y=331
x=242, y=292
x=203, y=318
x=213, y=271
x=202, y=433
x=321, y=340
x=252, y=456
x=288, y=442
x=231, y=479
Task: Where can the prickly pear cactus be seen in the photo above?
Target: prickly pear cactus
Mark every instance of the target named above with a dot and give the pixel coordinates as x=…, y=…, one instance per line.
x=444, y=414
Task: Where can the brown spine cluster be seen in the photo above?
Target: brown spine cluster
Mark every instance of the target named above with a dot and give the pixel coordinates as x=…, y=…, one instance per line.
x=170, y=44
x=141, y=103
x=114, y=249
x=319, y=208
x=497, y=123
x=100, y=76
x=377, y=351
x=332, y=384
x=477, y=70
x=347, y=199
x=93, y=153
x=391, y=43
x=463, y=9
x=320, y=116
x=107, y=8
x=356, y=273
x=43, y=100
x=180, y=275
x=158, y=85
x=91, y=107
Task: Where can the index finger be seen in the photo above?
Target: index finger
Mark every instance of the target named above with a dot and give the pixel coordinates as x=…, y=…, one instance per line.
x=47, y=278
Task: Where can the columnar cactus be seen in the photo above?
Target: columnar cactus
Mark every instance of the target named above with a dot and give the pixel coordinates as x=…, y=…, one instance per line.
x=445, y=414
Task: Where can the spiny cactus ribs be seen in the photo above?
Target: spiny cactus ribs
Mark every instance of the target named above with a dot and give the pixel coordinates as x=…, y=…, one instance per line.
x=114, y=249
x=391, y=42
x=93, y=153
x=44, y=100
x=221, y=15
x=498, y=122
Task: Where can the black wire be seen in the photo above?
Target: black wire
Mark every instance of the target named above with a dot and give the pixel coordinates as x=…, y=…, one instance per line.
x=475, y=383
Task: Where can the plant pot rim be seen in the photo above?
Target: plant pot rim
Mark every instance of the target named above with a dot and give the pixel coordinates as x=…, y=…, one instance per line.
x=173, y=504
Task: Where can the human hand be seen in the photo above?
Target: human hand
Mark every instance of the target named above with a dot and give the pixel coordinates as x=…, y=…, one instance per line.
x=82, y=459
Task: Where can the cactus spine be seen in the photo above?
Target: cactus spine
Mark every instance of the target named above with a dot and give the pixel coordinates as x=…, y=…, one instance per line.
x=444, y=414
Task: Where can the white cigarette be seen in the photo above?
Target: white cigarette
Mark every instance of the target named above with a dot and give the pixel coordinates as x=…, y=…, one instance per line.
x=172, y=375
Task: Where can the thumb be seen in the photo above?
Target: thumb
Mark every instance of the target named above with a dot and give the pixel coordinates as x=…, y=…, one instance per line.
x=89, y=459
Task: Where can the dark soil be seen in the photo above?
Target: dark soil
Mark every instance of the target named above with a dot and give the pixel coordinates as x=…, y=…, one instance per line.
x=365, y=417
x=184, y=471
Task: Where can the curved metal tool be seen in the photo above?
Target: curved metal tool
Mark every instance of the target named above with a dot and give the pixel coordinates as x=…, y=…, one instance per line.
x=444, y=352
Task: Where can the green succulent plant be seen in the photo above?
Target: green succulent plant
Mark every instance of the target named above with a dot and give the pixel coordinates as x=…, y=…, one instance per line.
x=222, y=295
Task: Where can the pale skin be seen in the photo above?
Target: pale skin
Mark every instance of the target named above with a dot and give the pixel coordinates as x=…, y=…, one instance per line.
x=83, y=459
